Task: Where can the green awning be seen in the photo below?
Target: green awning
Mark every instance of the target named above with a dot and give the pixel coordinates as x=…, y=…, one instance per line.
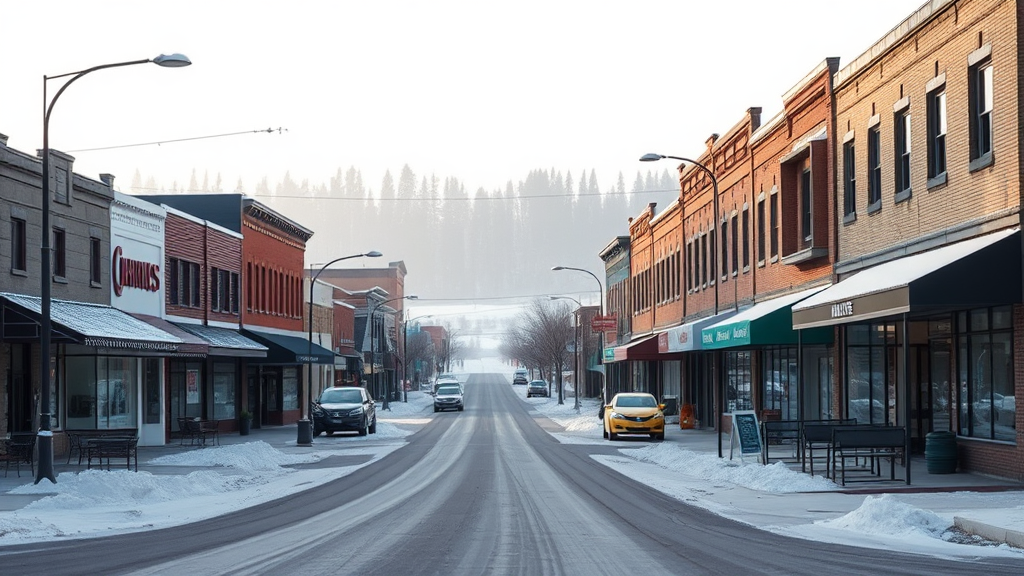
x=767, y=323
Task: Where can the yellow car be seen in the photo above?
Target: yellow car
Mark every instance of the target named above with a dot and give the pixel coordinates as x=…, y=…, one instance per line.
x=634, y=413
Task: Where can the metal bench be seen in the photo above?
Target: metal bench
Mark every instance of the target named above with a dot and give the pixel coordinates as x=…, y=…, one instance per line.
x=110, y=447
x=871, y=443
x=817, y=435
x=79, y=438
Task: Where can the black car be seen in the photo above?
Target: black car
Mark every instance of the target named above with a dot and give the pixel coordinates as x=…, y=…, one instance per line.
x=537, y=388
x=344, y=408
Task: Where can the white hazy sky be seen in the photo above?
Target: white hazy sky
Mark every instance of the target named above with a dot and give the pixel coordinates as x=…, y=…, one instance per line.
x=484, y=91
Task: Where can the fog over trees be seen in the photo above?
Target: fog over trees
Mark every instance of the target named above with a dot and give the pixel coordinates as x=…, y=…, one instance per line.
x=457, y=243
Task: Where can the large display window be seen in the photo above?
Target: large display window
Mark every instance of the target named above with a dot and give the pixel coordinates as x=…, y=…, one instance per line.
x=101, y=392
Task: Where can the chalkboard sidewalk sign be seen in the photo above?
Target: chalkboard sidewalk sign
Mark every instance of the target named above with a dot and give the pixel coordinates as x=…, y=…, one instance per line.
x=746, y=431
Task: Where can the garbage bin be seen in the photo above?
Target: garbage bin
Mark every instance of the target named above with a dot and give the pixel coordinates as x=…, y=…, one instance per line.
x=686, y=416
x=671, y=408
x=940, y=452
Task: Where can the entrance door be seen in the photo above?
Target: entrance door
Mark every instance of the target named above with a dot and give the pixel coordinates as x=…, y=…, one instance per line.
x=253, y=400
x=939, y=367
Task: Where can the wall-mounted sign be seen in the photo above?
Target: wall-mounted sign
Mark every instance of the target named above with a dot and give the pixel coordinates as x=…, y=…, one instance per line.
x=842, y=309
x=603, y=323
x=127, y=273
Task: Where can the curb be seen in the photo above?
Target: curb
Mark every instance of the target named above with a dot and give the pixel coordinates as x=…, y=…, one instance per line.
x=1013, y=538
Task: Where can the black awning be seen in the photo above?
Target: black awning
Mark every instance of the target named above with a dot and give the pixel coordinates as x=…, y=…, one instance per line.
x=283, y=349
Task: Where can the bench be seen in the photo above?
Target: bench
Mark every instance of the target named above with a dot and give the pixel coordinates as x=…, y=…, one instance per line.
x=110, y=447
x=872, y=443
x=817, y=435
x=79, y=438
x=777, y=433
x=200, y=431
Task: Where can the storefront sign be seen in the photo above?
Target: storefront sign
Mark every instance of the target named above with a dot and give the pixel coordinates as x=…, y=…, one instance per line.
x=842, y=309
x=192, y=386
x=734, y=334
x=127, y=273
x=603, y=323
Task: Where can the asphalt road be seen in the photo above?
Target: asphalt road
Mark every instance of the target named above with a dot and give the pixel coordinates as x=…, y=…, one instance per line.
x=484, y=491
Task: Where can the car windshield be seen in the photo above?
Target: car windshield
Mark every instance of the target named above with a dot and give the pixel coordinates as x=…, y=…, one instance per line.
x=636, y=402
x=341, y=396
x=448, y=390
x=538, y=384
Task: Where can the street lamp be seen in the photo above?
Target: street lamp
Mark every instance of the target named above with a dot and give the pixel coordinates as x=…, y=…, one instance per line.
x=373, y=352
x=305, y=430
x=736, y=281
x=405, y=352
x=576, y=351
x=600, y=333
x=45, y=440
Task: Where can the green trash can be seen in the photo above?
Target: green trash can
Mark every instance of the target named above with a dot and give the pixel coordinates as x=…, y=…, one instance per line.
x=940, y=452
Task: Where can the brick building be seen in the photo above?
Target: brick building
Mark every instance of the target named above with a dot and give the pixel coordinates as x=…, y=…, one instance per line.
x=927, y=307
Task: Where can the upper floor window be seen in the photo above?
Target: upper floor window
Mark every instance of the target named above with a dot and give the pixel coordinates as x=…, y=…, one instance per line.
x=735, y=246
x=703, y=259
x=95, y=261
x=19, y=246
x=223, y=291
x=806, y=222
x=725, y=250
x=184, y=283
x=746, y=238
x=712, y=256
x=981, y=104
x=849, y=179
x=936, y=133
x=901, y=141
x=760, y=232
x=774, y=242
x=874, y=169
x=59, y=253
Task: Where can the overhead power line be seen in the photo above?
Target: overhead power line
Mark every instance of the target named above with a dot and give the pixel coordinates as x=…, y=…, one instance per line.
x=161, y=142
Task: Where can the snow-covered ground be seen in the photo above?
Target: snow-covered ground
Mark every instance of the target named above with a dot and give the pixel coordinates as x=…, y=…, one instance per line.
x=771, y=497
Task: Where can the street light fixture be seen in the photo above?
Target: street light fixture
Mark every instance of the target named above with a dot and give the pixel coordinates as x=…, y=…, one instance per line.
x=405, y=353
x=305, y=430
x=577, y=337
x=45, y=439
x=736, y=281
x=600, y=333
x=373, y=352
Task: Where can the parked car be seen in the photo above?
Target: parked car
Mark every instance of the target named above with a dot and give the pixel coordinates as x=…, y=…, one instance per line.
x=520, y=377
x=344, y=408
x=634, y=413
x=537, y=388
x=448, y=397
x=448, y=379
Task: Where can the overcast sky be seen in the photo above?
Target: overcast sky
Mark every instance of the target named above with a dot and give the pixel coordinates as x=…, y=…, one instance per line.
x=484, y=91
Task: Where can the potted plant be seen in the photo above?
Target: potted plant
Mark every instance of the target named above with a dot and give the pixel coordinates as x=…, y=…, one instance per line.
x=244, y=422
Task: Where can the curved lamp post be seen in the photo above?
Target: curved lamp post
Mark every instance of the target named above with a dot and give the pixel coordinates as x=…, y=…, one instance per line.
x=577, y=337
x=45, y=434
x=405, y=359
x=305, y=433
x=736, y=281
x=373, y=351
x=600, y=334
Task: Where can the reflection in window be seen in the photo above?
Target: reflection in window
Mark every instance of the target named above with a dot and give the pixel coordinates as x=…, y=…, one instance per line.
x=987, y=405
x=737, y=374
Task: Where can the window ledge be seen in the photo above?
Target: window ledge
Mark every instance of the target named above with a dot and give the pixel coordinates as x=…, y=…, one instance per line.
x=16, y=272
x=982, y=162
x=805, y=255
x=850, y=218
x=760, y=263
x=874, y=206
x=904, y=195
x=60, y=279
x=936, y=181
x=94, y=284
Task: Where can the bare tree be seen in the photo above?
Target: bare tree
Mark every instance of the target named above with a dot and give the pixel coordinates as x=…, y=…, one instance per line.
x=419, y=347
x=541, y=337
x=451, y=348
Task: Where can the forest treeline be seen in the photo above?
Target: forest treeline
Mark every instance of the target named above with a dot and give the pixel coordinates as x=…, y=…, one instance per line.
x=457, y=244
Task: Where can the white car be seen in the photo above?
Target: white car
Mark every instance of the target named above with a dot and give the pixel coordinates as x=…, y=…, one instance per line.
x=448, y=379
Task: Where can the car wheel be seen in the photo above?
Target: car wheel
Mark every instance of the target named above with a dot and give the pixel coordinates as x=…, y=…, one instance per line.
x=460, y=408
x=661, y=436
x=329, y=433
x=316, y=432
x=613, y=436
x=365, y=429
x=604, y=432
x=373, y=427
x=435, y=408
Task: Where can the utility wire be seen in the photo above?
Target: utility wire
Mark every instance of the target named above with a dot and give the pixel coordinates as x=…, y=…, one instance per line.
x=161, y=142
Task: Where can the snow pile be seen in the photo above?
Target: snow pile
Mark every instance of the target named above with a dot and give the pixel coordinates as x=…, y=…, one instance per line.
x=886, y=515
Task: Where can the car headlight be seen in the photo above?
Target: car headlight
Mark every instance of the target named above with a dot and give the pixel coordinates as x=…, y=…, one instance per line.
x=356, y=412
x=318, y=411
x=618, y=416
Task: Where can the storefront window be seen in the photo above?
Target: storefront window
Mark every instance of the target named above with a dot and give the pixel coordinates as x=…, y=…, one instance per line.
x=80, y=384
x=987, y=405
x=779, y=381
x=737, y=376
x=867, y=394
x=224, y=390
x=151, y=389
x=290, y=389
x=101, y=392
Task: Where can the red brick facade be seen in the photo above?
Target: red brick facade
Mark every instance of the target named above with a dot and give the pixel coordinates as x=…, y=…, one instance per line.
x=274, y=261
x=214, y=249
